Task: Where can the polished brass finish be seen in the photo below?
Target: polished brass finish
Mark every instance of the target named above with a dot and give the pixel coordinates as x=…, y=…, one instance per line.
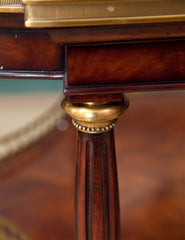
x=95, y=117
x=92, y=129
x=11, y=6
x=68, y=13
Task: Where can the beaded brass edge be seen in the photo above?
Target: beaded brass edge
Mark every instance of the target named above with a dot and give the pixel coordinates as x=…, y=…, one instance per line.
x=95, y=117
x=94, y=130
x=9, y=231
x=63, y=13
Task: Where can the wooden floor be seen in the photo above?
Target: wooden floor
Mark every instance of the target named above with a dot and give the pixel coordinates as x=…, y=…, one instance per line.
x=36, y=187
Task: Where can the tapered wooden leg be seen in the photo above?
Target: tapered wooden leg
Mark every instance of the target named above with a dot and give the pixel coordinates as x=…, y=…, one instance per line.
x=96, y=197
x=96, y=192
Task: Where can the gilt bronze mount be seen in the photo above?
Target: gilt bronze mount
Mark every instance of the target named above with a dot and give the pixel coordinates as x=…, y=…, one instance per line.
x=96, y=117
x=11, y=6
x=75, y=13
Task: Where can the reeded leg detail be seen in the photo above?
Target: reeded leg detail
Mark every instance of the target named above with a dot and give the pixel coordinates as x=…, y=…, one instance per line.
x=96, y=192
x=97, y=202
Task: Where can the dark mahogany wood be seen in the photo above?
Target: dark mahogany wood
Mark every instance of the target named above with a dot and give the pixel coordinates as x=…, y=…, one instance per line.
x=96, y=201
x=29, y=50
x=120, y=88
x=126, y=63
x=12, y=20
x=125, y=67
x=118, y=33
x=96, y=98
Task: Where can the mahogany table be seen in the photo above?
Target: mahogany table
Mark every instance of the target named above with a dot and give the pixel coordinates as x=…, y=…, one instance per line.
x=99, y=49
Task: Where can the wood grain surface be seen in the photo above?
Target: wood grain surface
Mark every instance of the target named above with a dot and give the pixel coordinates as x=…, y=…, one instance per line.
x=131, y=63
x=96, y=188
x=118, y=33
x=11, y=21
x=37, y=186
x=29, y=51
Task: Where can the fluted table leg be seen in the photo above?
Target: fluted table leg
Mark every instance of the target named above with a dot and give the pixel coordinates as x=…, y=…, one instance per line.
x=96, y=192
x=97, y=202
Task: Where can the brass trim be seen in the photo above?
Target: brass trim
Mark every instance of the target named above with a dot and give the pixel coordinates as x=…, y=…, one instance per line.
x=100, y=22
x=63, y=13
x=11, y=6
x=95, y=117
x=94, y=129
x=12, y=9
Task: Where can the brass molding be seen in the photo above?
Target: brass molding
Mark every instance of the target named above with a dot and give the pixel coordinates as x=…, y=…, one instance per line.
x=74, y=13
x=95, y=117
x=94, y=129
x=11, y=6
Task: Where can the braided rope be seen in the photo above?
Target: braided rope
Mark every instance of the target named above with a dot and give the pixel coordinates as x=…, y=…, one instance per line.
x=18, y=140
x=9, y=231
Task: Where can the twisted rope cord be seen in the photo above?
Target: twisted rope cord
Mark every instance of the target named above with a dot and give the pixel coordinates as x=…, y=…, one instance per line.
x=18, y=140
x=9, y=231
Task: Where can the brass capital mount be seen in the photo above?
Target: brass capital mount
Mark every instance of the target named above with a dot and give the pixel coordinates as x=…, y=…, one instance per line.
x=97, y=117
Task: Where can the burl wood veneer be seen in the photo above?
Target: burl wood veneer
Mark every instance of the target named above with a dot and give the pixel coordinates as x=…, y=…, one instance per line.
x=29, y=51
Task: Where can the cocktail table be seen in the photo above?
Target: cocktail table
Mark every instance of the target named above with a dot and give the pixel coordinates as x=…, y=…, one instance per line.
x=99, y=49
